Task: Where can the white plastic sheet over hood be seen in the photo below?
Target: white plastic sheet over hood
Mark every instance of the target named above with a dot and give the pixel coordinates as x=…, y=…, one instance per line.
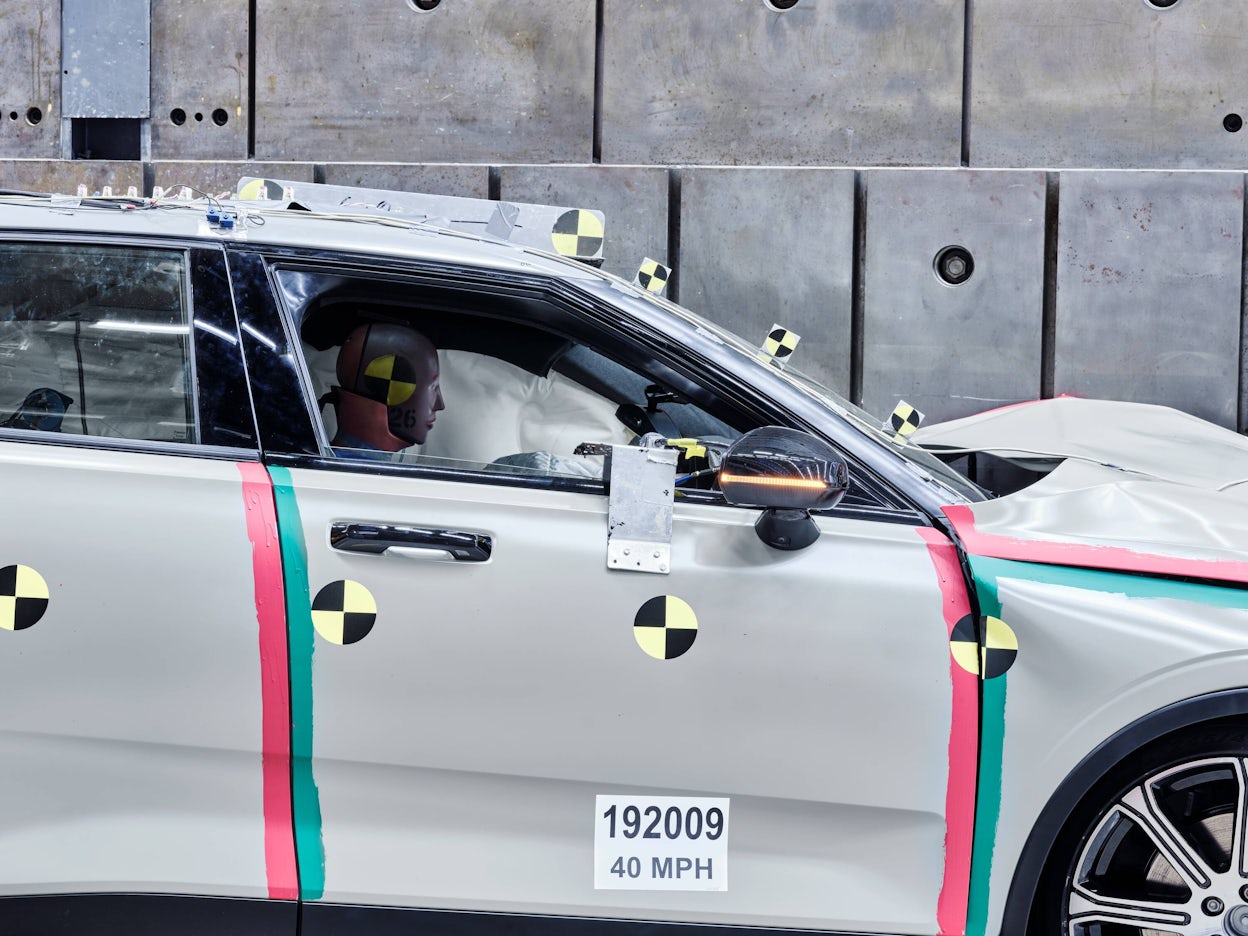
x=1136, y=488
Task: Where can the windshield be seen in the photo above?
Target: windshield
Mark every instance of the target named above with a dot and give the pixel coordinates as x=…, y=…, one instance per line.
x=874, y=427
x=928, y=465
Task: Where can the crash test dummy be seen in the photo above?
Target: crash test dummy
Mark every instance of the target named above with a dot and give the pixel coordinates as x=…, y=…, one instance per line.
x=388, y=395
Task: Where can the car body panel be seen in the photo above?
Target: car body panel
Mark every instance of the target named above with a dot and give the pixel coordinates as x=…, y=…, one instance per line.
x=1132, y=487
x=131, y=734
x=1145, y=439
x=175, y=723
x=1095, y=517
x=387, y=237
x=1097, y=652
x=495, y=709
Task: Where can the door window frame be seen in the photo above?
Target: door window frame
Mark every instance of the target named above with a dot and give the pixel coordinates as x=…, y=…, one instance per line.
x=303, y=444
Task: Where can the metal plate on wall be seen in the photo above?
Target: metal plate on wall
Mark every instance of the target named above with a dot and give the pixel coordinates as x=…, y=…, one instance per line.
x=823, y=83
x=200, y=70
x=633, y=198
x=1110, y=85
x=472, y=80
x=765, y=246
x=1149, y=267
x=30, y=82
x=952, y=349
x=458, y=179
x=105, y=58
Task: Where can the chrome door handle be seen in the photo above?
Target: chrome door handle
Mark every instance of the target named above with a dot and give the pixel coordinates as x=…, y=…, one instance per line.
x=376, y=538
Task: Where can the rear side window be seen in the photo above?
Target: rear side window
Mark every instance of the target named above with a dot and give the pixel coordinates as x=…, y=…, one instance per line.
x=95, y=341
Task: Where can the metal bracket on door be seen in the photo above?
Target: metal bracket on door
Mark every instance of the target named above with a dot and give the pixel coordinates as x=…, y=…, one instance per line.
x=639, y=513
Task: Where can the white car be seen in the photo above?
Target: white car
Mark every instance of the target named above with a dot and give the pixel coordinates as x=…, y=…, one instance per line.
x=359, y=574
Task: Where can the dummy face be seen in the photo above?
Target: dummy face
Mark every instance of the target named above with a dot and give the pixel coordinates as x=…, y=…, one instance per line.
x=411, y=419
x=395, y=371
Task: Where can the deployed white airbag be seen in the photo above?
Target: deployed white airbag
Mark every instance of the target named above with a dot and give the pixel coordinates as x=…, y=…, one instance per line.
x=494, y=408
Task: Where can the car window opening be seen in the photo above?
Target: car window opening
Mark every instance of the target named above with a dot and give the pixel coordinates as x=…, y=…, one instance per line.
x=95, y=341
x=517, y=394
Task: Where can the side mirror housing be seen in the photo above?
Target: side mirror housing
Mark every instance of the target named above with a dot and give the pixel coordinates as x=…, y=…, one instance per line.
x=788, y=474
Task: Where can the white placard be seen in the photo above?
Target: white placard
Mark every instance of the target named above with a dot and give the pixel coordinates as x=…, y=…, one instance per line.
x=660, y=843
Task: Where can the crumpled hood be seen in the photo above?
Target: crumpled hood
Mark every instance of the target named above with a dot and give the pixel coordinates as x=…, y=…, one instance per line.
x=1153, y=440
x=1138, y=488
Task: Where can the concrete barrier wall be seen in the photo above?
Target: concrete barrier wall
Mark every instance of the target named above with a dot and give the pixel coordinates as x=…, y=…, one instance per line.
x=806, y=167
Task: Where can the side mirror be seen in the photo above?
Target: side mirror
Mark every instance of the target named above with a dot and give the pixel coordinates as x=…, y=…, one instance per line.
x=787, y=473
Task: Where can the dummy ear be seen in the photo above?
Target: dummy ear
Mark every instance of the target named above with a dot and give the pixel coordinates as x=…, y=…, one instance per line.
x=389, y=379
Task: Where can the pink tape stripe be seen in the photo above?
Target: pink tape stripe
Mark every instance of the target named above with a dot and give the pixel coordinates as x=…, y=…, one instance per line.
x=1115, y=558
x=951, y=906
x=266, y=558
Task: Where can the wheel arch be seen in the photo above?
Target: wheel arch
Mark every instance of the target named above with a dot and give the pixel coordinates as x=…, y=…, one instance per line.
x=1052, y=821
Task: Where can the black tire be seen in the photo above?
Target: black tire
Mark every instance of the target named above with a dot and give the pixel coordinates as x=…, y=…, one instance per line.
x=1158, y=846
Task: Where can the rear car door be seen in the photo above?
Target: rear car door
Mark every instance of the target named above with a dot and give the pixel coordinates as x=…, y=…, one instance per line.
x=143, y=734
x=488, y=718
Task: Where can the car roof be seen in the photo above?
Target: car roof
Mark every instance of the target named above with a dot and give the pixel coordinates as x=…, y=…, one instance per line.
x=275, y=224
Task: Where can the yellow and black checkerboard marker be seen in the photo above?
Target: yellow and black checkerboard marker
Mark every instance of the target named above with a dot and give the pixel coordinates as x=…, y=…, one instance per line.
x=577, y=233
x=780, y=344
x=903, y=421
x=343, y=612
x=691, y=448
x=665, y=627
x=653, y=276
x=261, y=190
x=23, y=597
x=996, y=655
x=390, y=379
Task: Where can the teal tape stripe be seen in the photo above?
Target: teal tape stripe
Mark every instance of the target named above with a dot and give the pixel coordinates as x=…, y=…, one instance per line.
x=309, y=844
x=987, y=804
x=1113, y=583
x=988, y=791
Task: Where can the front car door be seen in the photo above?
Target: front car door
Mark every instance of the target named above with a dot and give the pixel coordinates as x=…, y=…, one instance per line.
x=501, y=730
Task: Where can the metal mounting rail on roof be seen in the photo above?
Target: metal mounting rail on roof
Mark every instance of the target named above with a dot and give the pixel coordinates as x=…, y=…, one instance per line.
x=572, y=232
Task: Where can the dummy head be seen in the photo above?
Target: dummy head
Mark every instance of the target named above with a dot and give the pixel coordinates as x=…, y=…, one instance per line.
x=389, y=395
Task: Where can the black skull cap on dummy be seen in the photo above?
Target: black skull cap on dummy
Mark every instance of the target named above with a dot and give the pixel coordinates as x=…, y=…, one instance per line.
x=395, y=368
